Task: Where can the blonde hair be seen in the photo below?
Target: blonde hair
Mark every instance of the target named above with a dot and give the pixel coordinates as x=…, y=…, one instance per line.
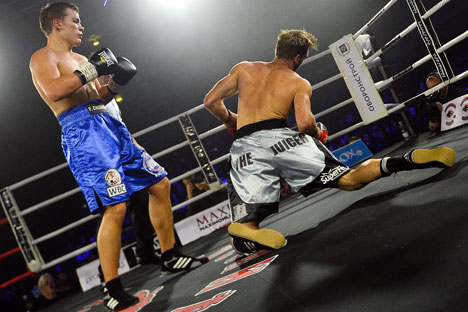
x=292, y=42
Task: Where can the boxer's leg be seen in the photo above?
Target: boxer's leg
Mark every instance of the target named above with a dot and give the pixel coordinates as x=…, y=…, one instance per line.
x=161, y=213
x=373, y=169
x=357, y=178
x=109, y=242
x=246, y=237
x=172, y=261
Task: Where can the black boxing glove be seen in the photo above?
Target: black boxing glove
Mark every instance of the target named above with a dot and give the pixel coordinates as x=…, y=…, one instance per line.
x=125, y=71
x=101, y=62
x=323, y=132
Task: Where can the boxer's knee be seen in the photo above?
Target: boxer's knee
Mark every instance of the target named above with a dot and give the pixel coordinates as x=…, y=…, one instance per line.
x=160, y=189
x=115, y=213
x=349, y=181
x=357, y=178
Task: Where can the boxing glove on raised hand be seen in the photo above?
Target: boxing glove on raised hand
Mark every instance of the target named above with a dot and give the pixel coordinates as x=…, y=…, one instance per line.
x=101, y=62
x=323, y=132
x=124, y=73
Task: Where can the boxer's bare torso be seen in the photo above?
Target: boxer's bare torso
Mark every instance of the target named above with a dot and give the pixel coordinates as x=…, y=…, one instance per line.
x=48, y=64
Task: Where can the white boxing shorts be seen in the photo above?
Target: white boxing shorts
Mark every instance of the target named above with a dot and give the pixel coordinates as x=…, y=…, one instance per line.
x=266, y=151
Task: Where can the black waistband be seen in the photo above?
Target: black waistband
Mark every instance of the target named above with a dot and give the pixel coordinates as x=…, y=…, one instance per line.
x=78, y=112
x=261, y=125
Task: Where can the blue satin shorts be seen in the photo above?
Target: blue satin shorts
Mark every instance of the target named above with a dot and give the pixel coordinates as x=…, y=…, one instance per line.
x=102, y=155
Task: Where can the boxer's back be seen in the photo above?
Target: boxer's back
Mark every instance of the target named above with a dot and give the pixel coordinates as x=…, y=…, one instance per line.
x=266, y=91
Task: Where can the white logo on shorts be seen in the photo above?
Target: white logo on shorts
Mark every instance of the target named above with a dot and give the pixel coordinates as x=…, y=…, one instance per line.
x=332, y=174
x=239, y=211
x=151, y=166
x=114, y=180
x=112, y=177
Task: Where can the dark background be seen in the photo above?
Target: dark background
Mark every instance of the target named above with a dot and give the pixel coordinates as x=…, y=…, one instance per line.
x=180, y=52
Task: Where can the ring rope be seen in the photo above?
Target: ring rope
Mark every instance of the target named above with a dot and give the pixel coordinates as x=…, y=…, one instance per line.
x=64, y=229
x=384, y=83
x=374, y=18
x=403, y=104
x=9, y=252
x=389, y=44
x=430, y=91
x=16, y=279
x=402, y=34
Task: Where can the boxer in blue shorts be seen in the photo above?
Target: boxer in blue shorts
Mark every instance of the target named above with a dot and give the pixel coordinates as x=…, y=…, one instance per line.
x=117, y=168
x=104, y=159
x=265, y=151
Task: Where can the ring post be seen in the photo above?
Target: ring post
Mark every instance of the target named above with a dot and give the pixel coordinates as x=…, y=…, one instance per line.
x=20, y=230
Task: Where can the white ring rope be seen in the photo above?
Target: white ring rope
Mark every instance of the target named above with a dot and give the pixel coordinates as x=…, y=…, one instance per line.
x=402, y=105
x=411, y=27
x=375, y=18
x=64, y=229
x=386, y=46
x=384, y=83
x=363, y=29
x=380, y=86
x=430, y=91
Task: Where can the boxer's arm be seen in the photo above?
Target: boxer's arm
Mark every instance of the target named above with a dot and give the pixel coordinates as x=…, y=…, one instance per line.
x=304, y=118
x=44, y=69
x=223, y=89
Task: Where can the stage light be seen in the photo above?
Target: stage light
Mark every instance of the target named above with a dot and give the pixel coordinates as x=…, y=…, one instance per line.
x=95, y=43
x=173, y=4
x=118, y=98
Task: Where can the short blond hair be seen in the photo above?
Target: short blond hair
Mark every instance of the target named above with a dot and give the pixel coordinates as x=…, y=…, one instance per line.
x=292, y=42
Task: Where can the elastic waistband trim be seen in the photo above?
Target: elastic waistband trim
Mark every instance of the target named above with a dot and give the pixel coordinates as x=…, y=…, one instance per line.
x=261, y=125
x=82, y=111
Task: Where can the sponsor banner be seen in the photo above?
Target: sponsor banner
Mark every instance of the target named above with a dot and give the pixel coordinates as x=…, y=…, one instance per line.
x=358, y=79
x=88, y=274
x=203, y=223
x=353, y=153
x=454, y=113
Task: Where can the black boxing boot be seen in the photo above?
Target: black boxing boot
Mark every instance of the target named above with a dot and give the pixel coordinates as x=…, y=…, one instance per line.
x=115, y=297
x=172, y=261
x=442, y=157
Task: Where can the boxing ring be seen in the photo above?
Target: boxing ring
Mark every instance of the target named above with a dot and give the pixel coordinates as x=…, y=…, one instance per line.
x=18, y=216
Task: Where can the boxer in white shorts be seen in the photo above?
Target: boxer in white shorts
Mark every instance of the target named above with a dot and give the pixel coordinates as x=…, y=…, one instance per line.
x=265, y=151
